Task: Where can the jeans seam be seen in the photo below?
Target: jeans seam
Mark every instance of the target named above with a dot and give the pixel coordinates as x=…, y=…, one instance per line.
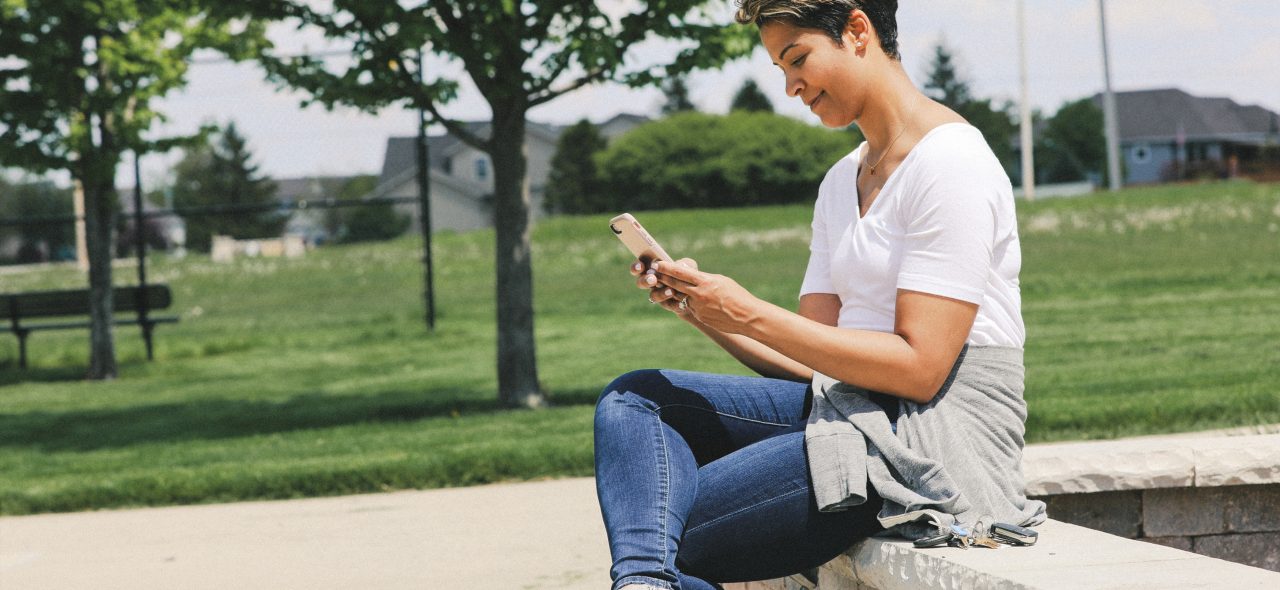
x=743, y=509
x=665, y=464
x=718, y=413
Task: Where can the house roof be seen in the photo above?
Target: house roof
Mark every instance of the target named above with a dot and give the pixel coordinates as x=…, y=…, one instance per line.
x=291, y=190
x=398, y=164
x=1164, y=114
x=401, y=155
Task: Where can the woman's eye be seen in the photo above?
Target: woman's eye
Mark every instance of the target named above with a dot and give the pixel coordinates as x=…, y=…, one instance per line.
x=798, y=61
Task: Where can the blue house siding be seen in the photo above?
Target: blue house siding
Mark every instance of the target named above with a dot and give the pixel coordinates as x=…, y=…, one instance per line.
x=1146, y=162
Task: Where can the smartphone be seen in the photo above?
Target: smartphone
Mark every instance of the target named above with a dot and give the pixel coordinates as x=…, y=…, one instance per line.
x=637, y=240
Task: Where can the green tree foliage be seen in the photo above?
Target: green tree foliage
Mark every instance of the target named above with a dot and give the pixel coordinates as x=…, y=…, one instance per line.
x=222, y=174
x=1072, y=145
x=677, y=93
x=945, y=85
x=364, y=223
x=701, y=160
x=79, y=79
x=751, y=98
x=47, y=233
x=519, y=54
x=573, y=184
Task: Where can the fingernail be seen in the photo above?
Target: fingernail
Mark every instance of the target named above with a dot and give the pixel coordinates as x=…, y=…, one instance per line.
x=637, y=266
x=669, y=293
x=652, y=280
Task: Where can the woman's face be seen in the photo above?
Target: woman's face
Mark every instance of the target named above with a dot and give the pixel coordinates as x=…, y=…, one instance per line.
x=818, y=72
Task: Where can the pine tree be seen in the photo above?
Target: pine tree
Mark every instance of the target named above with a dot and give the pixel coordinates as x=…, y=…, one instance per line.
x=677, y=96
x=751, y=98
x=573, y=185
x=223, y=174
x=944, y=84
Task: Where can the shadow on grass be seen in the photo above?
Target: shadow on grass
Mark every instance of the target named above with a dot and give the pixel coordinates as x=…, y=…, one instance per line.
x=217, y=419
x=10, y=374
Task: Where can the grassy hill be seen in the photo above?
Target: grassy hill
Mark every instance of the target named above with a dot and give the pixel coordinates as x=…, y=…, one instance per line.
x=1151, y=310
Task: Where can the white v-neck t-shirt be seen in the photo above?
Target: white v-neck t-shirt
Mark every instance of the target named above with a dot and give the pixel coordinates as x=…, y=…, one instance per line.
x=943, y=224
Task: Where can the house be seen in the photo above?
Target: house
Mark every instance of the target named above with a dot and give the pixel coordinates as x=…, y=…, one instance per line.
x=1168, y=134
x=309, y=223
x=163, y=232
x=461, y=176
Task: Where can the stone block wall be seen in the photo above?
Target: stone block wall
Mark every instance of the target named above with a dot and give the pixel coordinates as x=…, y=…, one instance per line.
x=1237, y=523
x=1207, y=505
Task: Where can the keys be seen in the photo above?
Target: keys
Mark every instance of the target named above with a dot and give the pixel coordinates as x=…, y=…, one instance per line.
x=961, y=537
x=981, y=535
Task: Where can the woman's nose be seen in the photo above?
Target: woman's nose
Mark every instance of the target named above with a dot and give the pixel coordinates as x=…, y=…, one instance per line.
x=794, y=86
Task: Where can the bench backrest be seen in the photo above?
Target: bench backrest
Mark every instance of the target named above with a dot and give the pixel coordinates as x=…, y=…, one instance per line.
x=76, y=302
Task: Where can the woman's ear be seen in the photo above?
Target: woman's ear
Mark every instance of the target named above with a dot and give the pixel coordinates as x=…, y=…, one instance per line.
x=858, y=30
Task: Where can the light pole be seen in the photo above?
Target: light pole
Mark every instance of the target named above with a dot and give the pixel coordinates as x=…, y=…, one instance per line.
x=424, y=202
x=1028, y=153
x=1109, y=106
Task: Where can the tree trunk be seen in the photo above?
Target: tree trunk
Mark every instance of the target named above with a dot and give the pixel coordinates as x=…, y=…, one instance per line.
x=99, y=223
x=517, y=361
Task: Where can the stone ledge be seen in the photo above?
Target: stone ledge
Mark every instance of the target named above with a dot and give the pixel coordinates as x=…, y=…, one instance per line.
x=1067, y=557
x=1150, y=463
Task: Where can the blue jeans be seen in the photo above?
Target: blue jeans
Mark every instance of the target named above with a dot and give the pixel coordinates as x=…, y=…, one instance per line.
x=703, y=479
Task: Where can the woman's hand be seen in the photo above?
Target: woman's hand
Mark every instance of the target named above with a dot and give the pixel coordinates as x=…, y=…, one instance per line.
x=659, y=292
x=715, y=300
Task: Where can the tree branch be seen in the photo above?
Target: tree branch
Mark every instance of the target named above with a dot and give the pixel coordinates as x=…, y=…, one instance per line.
x=421, y=98
x=545, y=95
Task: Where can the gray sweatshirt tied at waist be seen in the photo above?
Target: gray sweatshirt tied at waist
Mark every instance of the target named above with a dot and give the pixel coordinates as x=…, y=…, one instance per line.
x=954, y=460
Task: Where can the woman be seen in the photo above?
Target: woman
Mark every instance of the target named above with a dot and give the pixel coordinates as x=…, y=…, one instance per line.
x=909, y=331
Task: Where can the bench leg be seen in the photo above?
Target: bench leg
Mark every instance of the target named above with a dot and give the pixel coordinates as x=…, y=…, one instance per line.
x=146, y=337
x=22, y=348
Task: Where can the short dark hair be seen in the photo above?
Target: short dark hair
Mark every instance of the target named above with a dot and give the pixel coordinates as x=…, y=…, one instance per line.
x=828, y=16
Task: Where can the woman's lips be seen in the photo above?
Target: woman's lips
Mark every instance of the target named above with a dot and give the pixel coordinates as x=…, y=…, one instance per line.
x=815, y=100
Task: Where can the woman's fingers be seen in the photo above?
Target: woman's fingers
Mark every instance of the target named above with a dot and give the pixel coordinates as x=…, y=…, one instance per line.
x=689, y=262
x=649, y=280
x=663, y=294
x=682, y=277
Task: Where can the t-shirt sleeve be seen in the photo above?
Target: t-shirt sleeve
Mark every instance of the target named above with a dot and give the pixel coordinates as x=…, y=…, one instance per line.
x=950, y=226
x=817, y=277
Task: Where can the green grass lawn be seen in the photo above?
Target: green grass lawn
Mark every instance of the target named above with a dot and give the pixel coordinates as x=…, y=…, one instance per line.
x=1152, y=310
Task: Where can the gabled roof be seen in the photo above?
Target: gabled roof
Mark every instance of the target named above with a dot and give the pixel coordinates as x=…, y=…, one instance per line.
x=401, y=150
x=291, y=190
x=1165, y=113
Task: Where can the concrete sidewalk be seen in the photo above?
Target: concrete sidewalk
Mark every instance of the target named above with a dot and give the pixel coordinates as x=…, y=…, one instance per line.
x=538, y=535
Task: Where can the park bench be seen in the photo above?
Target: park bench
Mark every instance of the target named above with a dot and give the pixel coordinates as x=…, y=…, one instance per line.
x=18, y=307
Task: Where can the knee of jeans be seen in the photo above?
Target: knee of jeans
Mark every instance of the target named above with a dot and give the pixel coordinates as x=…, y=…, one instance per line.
x=625, y=391
x=638, y=382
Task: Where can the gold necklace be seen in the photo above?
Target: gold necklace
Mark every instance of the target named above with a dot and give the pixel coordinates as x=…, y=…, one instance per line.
x=886, y=150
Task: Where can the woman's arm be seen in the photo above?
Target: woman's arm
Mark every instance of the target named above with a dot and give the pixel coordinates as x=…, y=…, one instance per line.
x=912, y=363
x=823, y=308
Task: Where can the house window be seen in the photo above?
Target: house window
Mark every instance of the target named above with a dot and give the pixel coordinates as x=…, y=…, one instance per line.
x=1141, y=153
x=482, y=169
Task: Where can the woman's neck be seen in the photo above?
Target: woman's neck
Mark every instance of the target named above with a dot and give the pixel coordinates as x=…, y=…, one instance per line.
x=887, y=111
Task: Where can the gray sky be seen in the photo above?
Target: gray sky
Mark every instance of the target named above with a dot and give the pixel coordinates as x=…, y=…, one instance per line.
x=1207, y=47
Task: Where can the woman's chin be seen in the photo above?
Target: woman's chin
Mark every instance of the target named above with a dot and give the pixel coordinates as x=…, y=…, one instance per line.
x=835, y=122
